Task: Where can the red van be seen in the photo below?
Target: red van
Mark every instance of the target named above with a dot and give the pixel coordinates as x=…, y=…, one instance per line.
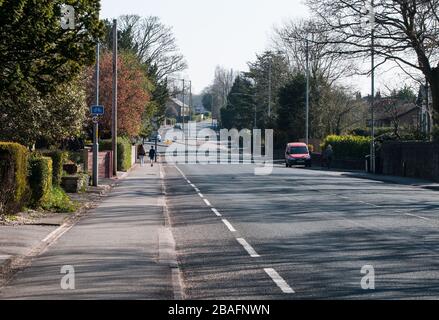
x=297, y=153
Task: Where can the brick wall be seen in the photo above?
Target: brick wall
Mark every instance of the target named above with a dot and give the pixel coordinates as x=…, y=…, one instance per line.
x=105, y=161
x=411, y=159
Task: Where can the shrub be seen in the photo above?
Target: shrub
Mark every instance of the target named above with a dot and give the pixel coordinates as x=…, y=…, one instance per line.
x=59, y=201
x=40, y=180
x=348, y=147
x=123, y=152
x=59, y=158
x=14, y=190
x=435, y=134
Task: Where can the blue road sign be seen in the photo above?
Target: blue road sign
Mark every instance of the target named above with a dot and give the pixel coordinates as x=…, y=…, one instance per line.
x=97, y=110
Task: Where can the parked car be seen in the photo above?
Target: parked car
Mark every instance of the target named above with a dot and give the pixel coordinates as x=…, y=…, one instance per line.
x=177, y=127
x=297, y=153
x=157, y=137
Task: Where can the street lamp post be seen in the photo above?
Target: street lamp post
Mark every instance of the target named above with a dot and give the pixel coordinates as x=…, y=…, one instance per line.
x=372, y=100
x=307, y=94
x=95, y=173
x=114, y=106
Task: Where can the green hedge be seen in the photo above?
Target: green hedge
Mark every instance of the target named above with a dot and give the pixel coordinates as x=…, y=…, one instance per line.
x=123, y=152
x=59, y=158
x=348, y=147
x=40, y=180
x=14, y=190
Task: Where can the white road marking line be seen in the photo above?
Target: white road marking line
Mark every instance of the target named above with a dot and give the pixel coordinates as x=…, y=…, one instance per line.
x=281, y=283
x=420, y=217
x=229, y=225
x=216, y=212
x=207, y=202
x=58, y=233
x=196, y=189
x=52, y=233
x=192, y=185
x=252, y=252
x=201, y=195
x=188, y=181
x=181, y=172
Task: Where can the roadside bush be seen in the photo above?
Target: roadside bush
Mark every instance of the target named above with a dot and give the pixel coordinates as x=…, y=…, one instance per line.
x=59, y=158
x=40, y=180
x=14, y=190
x=59, y=201
x=123, y=152
x=435, y=134
x=348, y=147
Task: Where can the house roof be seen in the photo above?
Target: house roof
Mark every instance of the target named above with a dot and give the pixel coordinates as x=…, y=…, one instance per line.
x=179, y=103
x=387, y=108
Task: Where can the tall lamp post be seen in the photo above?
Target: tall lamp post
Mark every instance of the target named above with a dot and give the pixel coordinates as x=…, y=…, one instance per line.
x=372, y=100
x=114, y=109
x=96, y=124
x=307, y=94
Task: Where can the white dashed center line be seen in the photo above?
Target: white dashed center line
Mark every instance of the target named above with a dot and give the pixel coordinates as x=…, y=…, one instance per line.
x=278, y=280
x=252, y=252
x=216, y=212
x=281, y=283
x=229, y=225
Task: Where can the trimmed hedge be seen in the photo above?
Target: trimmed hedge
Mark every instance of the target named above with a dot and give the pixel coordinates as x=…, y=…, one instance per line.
x=123, y=152
x=40, y=180
x=348, y=147
x=14, y=190
x=59, y=158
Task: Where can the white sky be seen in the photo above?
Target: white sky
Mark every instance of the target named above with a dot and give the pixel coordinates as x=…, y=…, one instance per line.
x=220, y=32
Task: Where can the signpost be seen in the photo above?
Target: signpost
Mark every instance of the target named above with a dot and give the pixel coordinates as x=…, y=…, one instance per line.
x=155, y=125
x=97, y=110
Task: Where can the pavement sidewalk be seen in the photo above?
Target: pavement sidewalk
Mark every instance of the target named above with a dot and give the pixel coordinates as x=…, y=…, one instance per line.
x=20, y=238
x=426, y=184
x=122, y=249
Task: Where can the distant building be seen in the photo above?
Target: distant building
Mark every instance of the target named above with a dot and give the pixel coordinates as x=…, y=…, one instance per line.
x=408, y=114
x=200, y=109
x=176, y=109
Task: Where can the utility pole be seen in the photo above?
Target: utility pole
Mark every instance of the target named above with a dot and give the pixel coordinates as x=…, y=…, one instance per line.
x=190, y=100
x=96, y=124
x=211, y=107
x=307, y=93
x=114, y=106
x=182, y=108
x=372, y=100
x=269, y=87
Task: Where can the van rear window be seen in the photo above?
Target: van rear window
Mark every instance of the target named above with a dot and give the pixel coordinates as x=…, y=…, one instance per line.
x=297, y=150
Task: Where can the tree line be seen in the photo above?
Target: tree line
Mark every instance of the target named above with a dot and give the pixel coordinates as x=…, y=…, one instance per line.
x=47, y=80
x=337, y=42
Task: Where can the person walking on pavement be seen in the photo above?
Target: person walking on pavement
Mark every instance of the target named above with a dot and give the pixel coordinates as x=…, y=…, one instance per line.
x=152, y=154
x=141, y=152
x=329, y=153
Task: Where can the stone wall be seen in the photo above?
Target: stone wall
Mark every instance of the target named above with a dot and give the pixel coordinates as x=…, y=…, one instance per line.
x=411, y=159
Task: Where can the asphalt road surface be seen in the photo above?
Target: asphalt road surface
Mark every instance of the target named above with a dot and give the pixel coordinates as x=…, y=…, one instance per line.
x=301, y=234
x=294, y=234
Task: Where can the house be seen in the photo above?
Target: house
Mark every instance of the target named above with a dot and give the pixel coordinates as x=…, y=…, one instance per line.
x=176, y=109
x=394, y=111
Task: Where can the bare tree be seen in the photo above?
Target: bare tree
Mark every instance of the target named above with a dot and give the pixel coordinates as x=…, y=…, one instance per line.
x=220, y=88
x=292, y=38
x=406, y=33
x=154, y=44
